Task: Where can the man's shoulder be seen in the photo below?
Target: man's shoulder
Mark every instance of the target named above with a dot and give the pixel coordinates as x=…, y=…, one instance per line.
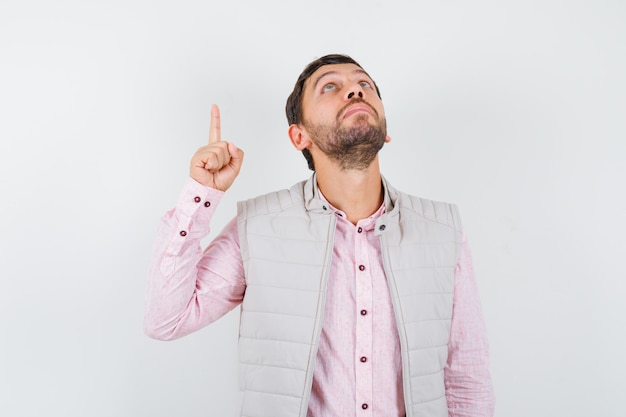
x=432, y=210
x=275, y=201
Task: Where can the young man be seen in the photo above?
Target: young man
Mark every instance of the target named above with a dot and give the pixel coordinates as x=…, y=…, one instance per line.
x=356, y=299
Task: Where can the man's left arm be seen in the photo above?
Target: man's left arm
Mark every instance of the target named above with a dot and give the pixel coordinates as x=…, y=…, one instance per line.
x=469, y=391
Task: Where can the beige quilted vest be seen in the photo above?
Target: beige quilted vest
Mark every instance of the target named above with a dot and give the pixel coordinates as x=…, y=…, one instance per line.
x=286, y=242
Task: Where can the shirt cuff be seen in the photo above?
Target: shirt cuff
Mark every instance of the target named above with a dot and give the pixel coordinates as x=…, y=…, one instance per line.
x=195, y=208
x=198, y=201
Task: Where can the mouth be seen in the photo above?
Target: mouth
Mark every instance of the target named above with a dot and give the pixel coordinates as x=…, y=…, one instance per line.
x=357, y=107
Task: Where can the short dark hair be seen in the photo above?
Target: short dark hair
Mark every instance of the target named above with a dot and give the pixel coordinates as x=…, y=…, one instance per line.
x=293, y=108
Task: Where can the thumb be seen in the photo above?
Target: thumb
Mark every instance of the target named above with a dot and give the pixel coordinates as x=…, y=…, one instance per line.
x=236, y=155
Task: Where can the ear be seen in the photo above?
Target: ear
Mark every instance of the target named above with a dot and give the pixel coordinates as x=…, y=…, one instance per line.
x=298, y=136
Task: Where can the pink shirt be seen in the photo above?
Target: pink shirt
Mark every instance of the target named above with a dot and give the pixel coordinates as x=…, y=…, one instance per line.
x=358, y=367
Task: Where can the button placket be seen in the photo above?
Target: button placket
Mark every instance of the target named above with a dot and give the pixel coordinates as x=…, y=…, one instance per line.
x=364, y=323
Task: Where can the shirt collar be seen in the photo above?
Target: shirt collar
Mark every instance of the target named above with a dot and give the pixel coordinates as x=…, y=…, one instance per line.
x=367, y=222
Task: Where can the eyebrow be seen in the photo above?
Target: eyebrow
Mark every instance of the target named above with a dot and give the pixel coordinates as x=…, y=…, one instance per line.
x=317, y=80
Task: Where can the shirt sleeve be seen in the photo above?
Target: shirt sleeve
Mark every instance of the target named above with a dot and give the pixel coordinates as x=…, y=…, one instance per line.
x=469, y=390
x=188, y=287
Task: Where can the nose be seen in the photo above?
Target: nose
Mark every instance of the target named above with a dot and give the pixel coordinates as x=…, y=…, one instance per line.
x=355, y=88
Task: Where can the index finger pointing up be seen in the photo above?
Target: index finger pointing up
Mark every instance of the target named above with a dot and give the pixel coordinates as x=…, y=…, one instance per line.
x=215, y=134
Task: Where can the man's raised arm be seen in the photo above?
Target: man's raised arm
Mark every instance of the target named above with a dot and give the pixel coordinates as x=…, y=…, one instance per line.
x=188, y=287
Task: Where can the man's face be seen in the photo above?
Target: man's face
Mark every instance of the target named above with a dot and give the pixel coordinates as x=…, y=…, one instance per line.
x=343, y=115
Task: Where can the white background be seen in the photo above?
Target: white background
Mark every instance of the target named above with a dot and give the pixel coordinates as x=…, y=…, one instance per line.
x=516, y=111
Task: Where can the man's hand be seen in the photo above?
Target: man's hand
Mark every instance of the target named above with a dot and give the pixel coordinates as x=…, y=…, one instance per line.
x=217, y=164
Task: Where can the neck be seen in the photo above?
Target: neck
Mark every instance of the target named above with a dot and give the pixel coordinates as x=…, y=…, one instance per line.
x=358, y=193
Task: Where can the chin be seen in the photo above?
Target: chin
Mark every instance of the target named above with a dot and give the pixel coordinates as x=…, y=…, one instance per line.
x=360, y=121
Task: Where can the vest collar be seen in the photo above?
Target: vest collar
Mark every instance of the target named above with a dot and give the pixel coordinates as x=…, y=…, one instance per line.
x=312, y=197
x=313, y=202
x=389, y=220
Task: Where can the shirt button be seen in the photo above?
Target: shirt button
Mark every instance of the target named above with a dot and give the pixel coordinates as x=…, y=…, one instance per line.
x=360, y=230
x=361, y=267
x=207, y=203
x=197, y=199
x=363, y=359
x=363, y=312
x=382, y=227
x=183, y=233
x=364, y=406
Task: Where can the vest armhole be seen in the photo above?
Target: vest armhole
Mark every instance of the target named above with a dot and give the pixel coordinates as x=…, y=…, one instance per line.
x=242, y=219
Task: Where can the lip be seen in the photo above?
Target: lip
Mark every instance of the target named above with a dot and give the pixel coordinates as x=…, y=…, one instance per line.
x=356, y=108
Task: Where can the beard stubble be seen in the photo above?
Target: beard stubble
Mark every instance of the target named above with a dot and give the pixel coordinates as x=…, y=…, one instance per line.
x=354, y=148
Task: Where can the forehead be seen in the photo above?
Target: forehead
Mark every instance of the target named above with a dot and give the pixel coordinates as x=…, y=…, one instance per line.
x=333, y=69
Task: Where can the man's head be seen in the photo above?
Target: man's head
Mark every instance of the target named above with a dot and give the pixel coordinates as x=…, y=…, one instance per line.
x=335, y=106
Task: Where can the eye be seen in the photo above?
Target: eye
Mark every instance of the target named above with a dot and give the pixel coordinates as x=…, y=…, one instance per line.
x=365, y=84
x=328, y=87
